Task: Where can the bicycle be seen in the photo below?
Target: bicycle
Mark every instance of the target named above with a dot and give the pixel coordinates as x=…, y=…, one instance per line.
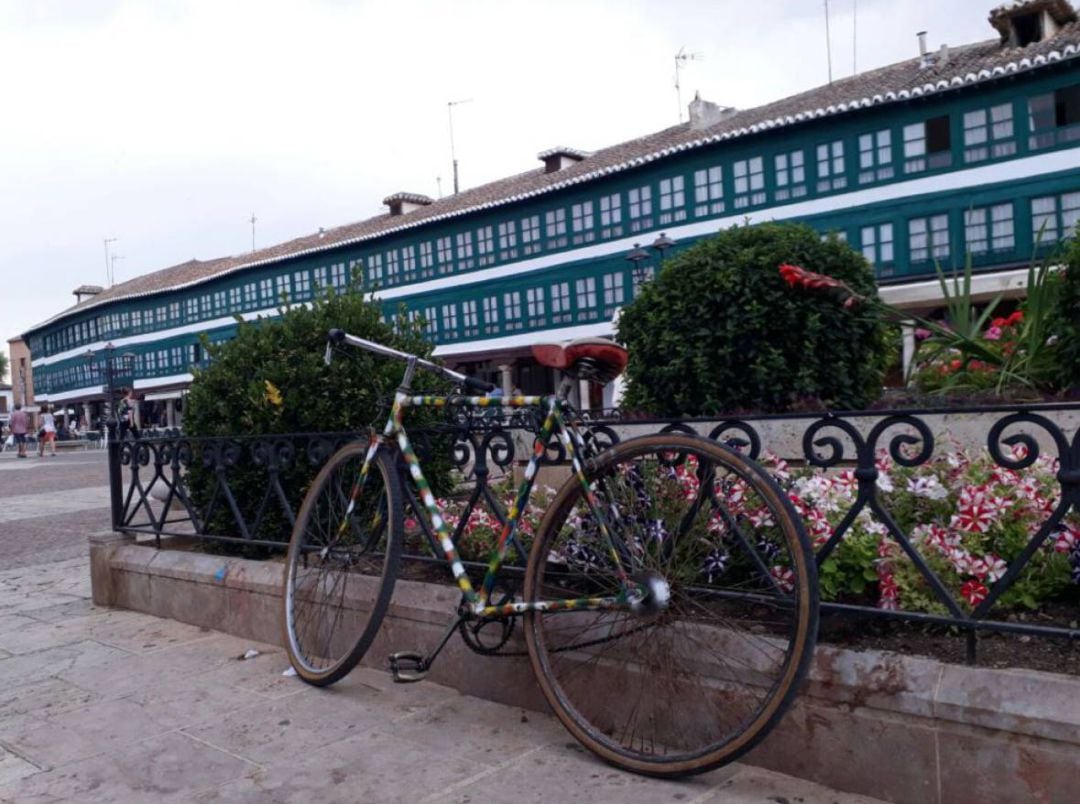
x=669, y=601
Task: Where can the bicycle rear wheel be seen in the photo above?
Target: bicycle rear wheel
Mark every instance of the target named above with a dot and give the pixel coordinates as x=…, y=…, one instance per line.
x=696, y=673
x=341, y=565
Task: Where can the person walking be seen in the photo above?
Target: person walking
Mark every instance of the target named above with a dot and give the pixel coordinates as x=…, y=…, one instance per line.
x=126, y=415
x=48, y=433
x=20, y=424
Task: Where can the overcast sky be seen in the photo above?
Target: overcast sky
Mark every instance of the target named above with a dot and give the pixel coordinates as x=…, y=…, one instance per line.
x=167, y=123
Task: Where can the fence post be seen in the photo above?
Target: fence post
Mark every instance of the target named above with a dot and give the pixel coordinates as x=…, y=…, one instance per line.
x=116, y=480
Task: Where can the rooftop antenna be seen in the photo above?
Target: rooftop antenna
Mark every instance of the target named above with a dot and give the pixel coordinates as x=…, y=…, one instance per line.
x=854, y=37
x=112, y=261
x=453, y=155
x=828, y=40
x=252, y=222
x=438, y=183
x=680, y=61
x=108, y=262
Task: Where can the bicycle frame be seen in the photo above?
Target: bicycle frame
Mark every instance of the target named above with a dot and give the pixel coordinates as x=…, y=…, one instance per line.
x=479, y=603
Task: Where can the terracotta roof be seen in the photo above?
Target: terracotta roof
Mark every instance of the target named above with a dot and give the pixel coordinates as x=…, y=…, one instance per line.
x=915, y=78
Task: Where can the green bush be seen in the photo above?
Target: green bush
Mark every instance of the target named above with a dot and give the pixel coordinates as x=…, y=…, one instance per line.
x=1066, y=323
x=718, y=330
x=271, y=378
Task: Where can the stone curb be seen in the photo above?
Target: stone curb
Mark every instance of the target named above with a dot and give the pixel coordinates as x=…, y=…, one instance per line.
x=871, y=722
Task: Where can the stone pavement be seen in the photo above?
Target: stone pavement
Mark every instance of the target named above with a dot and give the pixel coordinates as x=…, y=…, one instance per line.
x=111, y=705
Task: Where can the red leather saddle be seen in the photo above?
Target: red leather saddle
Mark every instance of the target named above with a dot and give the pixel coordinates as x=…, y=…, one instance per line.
x=594, y=359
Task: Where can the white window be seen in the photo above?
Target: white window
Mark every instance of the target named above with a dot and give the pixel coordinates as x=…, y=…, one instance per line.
x=709, y=191
x=586, y=297
x=560, y=302
x=468, y=318
x=491, y=314
x=830, y=167
x=392, y=267
x=614, y=294
x=927, y=145
x=672, y=199
x=989, y=133
x=530, y=234
x=465, y=251
x=875, y=156
x=790, y=175
x=318, y=278
x=534, y=298
x=555, y=228
x=877, y=244
x=337, y=275
x=302, y=284
x=1054, y=216
x=427, y=260
x=929, y=238
x=431, y=318
x=408, y=263
x=485, y=245
x=610, y=216
x=989, y=229
x=640, y=208
x=191, y=311
x=581, y=221
x=234, y=304
x=1054, y=118
x=374, y=269
x=449, y=320
x=507, y=241
x=512, y=310
x=266, y=291
x=446, y=255
x=219, y=305
x=749, y=178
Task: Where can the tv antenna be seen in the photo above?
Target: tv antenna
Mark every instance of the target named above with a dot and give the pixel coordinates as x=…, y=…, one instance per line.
x=680, y=61
x=112, y=260
x=453, y=154
x=252, y=221
x=108, y=262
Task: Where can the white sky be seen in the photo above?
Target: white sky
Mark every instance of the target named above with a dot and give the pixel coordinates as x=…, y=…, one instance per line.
x=167, y=123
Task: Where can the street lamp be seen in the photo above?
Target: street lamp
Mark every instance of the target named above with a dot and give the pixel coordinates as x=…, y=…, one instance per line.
x=639, y=273
x=108, y=371
x=662, y=244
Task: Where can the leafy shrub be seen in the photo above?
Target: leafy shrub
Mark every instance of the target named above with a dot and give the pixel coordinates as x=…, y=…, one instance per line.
x=719, y=330
x=1066, y=324
x=271, y=378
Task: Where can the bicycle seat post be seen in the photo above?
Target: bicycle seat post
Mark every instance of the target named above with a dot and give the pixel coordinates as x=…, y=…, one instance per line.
x=406, y=381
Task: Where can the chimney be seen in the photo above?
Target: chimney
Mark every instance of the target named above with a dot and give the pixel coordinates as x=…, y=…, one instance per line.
x=704, y=114
x=560, y=158
x=922, y=43
x=943, y=55
x=1027, y=22
x=404, y=203
x=84, y=292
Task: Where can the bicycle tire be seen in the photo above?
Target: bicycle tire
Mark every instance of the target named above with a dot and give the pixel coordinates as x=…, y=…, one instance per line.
x=677, y=689
x=341, y=578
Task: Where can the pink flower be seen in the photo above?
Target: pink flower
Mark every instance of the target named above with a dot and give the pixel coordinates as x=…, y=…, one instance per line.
x=993, y=334
x=921, y=333
x=995, y=567
x=1066, y=540
x=974, y=592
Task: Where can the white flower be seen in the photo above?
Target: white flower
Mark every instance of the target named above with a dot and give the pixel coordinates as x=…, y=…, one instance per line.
x=928, y=487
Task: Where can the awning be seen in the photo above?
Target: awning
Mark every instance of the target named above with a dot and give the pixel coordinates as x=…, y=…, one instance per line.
x=163, y=395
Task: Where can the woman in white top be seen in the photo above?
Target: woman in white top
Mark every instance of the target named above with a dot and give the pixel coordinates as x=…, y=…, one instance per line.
x=48, y=435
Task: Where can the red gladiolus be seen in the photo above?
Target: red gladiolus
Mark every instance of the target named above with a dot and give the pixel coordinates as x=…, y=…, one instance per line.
x=800, y=277
x=1015, y=318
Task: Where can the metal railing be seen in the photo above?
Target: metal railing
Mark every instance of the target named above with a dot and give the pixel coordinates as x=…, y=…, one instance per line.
x=246, y=489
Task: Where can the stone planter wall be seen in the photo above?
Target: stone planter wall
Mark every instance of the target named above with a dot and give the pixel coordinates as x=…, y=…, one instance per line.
x=900, y=728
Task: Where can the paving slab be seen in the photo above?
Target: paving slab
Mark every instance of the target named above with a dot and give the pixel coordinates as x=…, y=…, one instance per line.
x=99, y=704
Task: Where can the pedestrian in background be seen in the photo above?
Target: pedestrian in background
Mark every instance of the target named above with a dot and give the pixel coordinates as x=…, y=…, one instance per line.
x=126, y=414
x=20, y=424
x=48, y=433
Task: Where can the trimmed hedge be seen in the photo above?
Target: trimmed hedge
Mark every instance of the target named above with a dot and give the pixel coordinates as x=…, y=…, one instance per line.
x=719, y=331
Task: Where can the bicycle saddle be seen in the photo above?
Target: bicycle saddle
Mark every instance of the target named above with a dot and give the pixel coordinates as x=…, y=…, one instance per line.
x=595, y=359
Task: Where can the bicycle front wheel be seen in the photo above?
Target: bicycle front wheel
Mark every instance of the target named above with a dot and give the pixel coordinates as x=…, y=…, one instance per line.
x=704, y=659
x=342, y=563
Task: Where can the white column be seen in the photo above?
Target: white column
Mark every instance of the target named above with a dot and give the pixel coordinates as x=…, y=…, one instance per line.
x=583, y=393
x=170, y=412
x=506, y=372
x=907, y=329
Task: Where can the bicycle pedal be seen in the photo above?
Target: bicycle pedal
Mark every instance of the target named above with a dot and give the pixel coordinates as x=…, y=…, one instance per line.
x=408, y=666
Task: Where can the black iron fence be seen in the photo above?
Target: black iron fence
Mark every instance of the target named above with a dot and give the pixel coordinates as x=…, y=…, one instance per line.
x=1008, y=541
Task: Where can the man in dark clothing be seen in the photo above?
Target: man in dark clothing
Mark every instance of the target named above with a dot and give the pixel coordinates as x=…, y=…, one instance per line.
x=20, y=424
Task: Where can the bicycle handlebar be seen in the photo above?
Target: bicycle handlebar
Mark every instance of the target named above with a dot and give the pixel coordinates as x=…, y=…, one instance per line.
x=336, y=337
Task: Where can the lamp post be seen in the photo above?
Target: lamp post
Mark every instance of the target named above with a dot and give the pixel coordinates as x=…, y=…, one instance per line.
x=640, y=274
x=108, y=371
x=662, y=244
